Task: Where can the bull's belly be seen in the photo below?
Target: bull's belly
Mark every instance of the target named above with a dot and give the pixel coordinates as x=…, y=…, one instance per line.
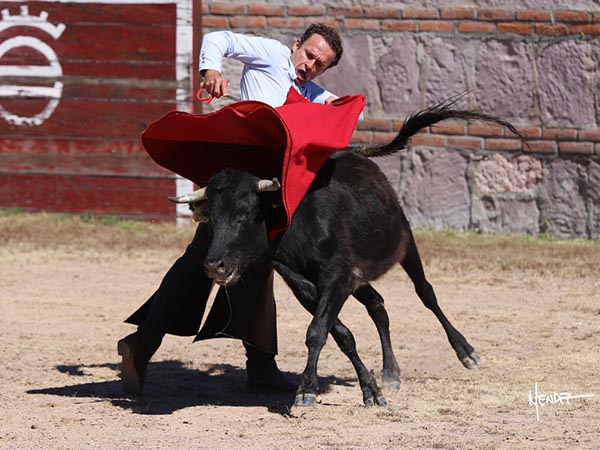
x=366, y=271
x=378, y=257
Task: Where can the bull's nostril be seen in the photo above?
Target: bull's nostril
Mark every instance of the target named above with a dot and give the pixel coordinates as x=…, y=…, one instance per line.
x=213, y=267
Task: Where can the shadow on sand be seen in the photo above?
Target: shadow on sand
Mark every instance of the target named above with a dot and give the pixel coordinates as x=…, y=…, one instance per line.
x=170, y=386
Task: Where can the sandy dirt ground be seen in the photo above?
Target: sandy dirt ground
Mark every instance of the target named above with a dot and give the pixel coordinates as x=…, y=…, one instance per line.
x=531, y=308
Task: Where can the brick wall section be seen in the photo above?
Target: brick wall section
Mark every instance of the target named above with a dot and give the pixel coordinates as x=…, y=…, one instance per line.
x=449, y=20
x=550, y=141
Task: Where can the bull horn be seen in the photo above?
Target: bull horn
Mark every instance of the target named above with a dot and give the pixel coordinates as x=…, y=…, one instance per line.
x=196, y=196
x=268, y=185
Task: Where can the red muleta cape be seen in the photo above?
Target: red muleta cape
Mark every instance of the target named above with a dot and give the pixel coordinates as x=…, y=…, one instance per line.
x=290, y=142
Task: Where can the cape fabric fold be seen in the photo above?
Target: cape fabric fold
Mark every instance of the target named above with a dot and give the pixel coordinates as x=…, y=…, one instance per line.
x=290, y=142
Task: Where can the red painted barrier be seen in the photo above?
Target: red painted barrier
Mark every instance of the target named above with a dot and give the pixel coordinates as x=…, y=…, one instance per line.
x=79, y=82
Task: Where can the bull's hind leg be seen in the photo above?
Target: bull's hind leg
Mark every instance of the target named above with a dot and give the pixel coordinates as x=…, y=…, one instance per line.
x=373, y=301
x=414, y=268
x=345, y=340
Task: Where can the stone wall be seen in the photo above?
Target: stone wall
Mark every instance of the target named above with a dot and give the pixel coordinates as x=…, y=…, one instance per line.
x=532, y=62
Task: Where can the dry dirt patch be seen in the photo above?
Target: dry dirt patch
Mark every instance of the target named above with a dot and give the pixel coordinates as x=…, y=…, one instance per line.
x=530, y=306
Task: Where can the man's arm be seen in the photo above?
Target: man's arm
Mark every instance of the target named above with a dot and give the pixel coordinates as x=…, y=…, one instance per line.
x=217, y=45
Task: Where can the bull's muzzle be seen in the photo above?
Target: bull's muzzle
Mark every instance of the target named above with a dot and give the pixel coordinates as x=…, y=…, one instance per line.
x=220, y=272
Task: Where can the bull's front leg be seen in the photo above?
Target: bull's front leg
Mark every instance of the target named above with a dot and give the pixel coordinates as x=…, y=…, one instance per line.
x=330, y=303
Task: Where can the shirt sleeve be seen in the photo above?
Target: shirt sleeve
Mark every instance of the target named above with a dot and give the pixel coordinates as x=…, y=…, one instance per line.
x=251, y=50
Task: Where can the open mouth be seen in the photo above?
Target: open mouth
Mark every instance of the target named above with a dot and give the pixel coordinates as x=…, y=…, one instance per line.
x=301, y=75
x=227, y=280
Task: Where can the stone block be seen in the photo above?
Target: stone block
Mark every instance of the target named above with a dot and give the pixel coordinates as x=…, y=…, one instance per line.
x=504, y=79
x=594, y=199
x=446, y=74
x=566, y=214
x=498, y=174
x=565, y=87
x=506, y=213
x=398, y=75
x=437, y=194
x=503, y=194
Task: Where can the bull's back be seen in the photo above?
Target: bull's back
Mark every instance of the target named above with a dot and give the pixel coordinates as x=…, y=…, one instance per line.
x=351, y=216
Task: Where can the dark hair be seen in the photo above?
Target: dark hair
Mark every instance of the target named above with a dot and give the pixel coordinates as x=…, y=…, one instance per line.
x=330, y=35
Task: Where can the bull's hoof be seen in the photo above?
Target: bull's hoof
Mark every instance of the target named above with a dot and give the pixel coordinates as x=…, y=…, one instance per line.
x=473, y=356
x=464, y=351
x=372, y=395
x=305, y=399
x=377, y=400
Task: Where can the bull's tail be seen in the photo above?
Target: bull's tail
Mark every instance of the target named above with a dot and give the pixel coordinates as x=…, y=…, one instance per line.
x=430, y=116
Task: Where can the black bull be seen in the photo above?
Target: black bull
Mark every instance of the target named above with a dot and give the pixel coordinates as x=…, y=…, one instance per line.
x=348, y=230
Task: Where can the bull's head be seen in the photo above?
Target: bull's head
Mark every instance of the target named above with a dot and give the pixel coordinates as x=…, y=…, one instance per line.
x=235, y=206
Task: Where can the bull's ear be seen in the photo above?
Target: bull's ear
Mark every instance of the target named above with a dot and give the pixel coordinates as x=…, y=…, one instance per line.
x=196, y=196
x=268, y=185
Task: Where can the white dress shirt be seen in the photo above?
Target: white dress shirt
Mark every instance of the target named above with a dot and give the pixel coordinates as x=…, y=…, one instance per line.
x=268, y=71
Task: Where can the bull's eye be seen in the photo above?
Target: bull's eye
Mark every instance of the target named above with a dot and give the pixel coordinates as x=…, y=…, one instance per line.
x=199, y=212
x=243, y=216
x=201, y=218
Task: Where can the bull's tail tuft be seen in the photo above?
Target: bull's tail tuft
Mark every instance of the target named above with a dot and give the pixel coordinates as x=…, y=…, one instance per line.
x=430, y=116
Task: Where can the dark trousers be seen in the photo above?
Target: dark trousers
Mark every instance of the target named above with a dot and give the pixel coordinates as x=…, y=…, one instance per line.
x=245, y=311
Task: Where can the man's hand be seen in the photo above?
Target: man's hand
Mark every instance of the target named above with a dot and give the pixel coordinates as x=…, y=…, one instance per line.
x=214, y=83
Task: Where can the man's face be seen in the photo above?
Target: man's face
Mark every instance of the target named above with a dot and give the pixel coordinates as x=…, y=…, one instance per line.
x=311, y=58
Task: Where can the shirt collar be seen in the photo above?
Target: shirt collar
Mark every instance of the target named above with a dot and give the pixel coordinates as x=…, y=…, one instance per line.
x=291, y=70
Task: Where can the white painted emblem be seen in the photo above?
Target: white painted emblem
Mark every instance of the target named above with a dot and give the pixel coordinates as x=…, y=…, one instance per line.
x=52, y=70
